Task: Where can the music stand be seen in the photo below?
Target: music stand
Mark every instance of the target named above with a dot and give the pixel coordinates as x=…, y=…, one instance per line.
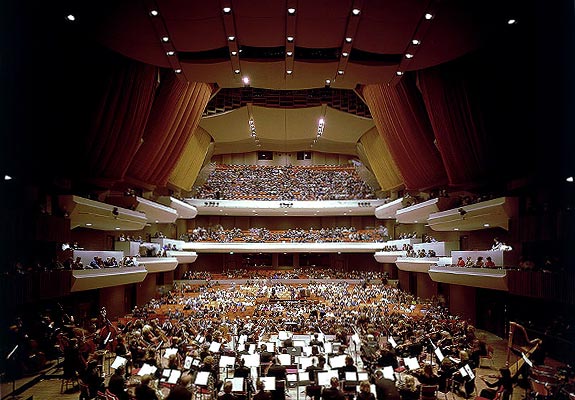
x=13, y=375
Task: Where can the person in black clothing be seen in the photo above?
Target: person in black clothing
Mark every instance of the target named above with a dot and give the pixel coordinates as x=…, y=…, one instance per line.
x=315, y=341
x=144, y=391
x=504, y=384
x=409, y=390
x=180, y=391
x=365, y=391
x=387, y=357
x=333, y=392
x=93, y=378
x=313, y=389
x=228, y=395
x=265, y=355
x=117, y=383
x=349, y=388
x=427, y=377
x=242, y=371
x=385, y=389
x=279, y=372
x=262, y=394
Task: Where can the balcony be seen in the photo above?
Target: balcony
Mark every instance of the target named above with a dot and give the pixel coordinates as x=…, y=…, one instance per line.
x=102, y=216
x=417, y=213
x=98, y=278
x=155, y=212
x=183, y=257
x=388, y=256
x=441, y=249
x=184, y=210
x=499, y=257
x=487, y=214
x=169, y=243
x=486, y=278
x=412, y=264
x=387, y=211
x=158, y=264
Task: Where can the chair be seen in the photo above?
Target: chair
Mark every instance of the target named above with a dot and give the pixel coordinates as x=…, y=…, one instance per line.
x=110, y=395
x=68, y=383
x=204, y=393
x=84, y=391
x=540, y=389
x=488, y=357
x=428, y=392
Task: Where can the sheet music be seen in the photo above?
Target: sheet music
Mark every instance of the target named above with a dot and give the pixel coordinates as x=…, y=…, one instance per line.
x=303, y=376
x=463, y=372
x=147, y=369
x=411, y=363
x=283, y=335
x=351, y=376
x=388, y=373
x=304, y=362
x=337, y=361
x=227, y=361
x=284, y=359
x=362, y=376
x=252, y=360
x=328, y=347
x=291, y=377
x=237, y=384
x=391, y=340
x=166, y=373
x=174, y=376
x=323, y=377
x=169, y=352
x=188, y=362
x=469, y=371
x=269, y=382
x=243, y=339
x=215, y=347
x=439, y=354
x=528, y=361
x=252, y=348
x=118, y=361
x=202, y=378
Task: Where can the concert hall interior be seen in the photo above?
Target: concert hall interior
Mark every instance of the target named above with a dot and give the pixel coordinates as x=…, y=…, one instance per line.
x=326, y=198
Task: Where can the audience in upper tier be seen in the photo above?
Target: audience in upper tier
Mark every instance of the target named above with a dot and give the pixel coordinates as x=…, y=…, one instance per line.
x=257, y=182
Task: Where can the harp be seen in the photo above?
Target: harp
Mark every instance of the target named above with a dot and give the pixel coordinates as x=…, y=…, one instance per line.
x=520, y=345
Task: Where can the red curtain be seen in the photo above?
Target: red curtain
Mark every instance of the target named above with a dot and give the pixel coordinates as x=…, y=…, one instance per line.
x=118, y=124
x=175, y=115
x=402, y=122
x=453, y=101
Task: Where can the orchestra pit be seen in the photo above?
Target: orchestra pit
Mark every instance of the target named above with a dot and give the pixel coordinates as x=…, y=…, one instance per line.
x=287, y=200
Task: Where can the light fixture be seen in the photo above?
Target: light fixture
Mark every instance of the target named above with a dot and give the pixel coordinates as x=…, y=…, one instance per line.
x=408, y=55
x=345, y=54
x=117, y=228
x=328, y=81
x=348, y=39
x=170, y=53
x=154, y=13
x=9, y=178
x=511, y=21
x=416, y=42
x=178, y=71
x=340, y=72
x=355, y=11
x=399, y=73
x=246, y=80
x=236, y=71
x=234, y=53
x=291, y=10
x=165, y=39
x=227, y=10
x=289, y=53
x=88, y=224
x=70, y=17
x=290, y=39
x=486, y=225
x=231, y=38
x=569, y=179
x=289, y=72
x=428, y=16
x=231, y=252
x=415, y=222
x=455, y=229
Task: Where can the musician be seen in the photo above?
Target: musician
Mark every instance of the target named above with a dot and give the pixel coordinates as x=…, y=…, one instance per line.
x=427, y=376
x=181, y=391
x=143, y=391
x=315, y=341
x=387, y=357
x=409, y=390
x=277, y=370
x=446, y=371
x=504, y=383
x=228, y=395
x=117, y=383
x=385, y=389
x=365, y=391
x=466, y=381
x=210, y=366
x=313, y=389
x=262, y=394
x=332, y=392
x=93, y=378
x=242, y=371
x=265, y=355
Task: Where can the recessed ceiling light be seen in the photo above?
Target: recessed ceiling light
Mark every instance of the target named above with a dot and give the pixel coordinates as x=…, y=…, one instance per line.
x=415, y=222
x=327, y=82
x=234, y=53
x=227, y=9
x=289, y=72
x=486, y=225
x=340, y=72
x=9, y=178
x=569, y=179
x=511, y=21
x=117, y=228
x=289, y=53
x=399, y=73
x=246, y=80
x=455, y=229
x=165, y=39
x=348, y=39
x=157, y=221
x=231, y=38
x=416, y=42
x=154, y=13
x=170, y=53
x=345, y=54
x=408, y=55
x=291, y=10
x=290, y=38
x=428, y=16
x=178, y=71
x=88, y=224
x=70, y=17
x=231, y=252
x=355, y=11
x=237, y=71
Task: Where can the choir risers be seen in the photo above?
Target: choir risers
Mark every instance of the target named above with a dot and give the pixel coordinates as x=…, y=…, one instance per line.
x=486, y=278
x=486, y=214
x=416, y=264
x=441, y=248
x=158, y=264
x=388, y=256
x=99, y=278
x=102, y=216
x=388, y=210
x=184, y=210
x=183, y=257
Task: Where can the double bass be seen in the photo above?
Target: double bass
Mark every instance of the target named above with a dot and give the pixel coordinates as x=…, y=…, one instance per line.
x=108, y=332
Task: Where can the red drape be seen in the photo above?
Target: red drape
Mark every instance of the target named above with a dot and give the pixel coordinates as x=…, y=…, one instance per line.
x=402, y=122
x=118, y=124
x=454, y=108
x=175, y=115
